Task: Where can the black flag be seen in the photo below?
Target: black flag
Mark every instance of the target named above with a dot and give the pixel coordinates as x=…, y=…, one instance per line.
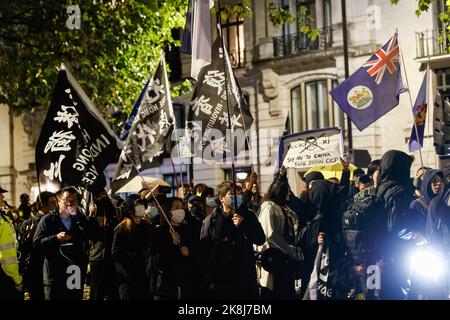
x=208, y=118
x=75, y=144
x=153, y=124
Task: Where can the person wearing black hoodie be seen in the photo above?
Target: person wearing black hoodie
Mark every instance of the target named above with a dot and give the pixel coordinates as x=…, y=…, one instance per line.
x=393, y=223
x=323, y=244
x=433, y=184
x=438, y=219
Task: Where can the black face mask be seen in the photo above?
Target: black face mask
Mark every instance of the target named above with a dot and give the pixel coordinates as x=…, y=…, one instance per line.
x=196, y=211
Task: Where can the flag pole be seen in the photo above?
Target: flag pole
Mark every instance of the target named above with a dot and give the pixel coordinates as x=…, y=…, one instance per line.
x=347, y=72
x=169, y=99
x=427, y=94
x=412, y=105
x=156, y=200
x=230, y=129
x=237, y=95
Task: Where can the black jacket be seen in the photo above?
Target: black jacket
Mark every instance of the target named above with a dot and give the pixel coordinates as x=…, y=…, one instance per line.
x=58, y=256
x=129, y=249
x=395, y=220
x=324, y=196
x=103, y=223
x=229, y=256
x=420, y=206
x=438, y=221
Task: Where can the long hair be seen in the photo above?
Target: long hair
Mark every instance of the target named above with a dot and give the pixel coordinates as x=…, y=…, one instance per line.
x=167, y=206
x=277, y=192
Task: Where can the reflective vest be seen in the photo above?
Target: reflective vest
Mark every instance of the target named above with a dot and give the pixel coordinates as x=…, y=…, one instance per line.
x=8, y=249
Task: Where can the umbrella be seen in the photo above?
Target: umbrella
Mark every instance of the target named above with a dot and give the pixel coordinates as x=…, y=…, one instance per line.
x=136, y=184
x=334, y=170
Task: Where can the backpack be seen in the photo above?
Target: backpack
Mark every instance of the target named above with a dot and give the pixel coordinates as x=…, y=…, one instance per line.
x=357, y=220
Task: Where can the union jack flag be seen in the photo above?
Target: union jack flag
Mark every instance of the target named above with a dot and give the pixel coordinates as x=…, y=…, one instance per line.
x=387, y=57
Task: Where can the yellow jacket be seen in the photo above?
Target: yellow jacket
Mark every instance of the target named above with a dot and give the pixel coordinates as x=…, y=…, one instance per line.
x=8, y=249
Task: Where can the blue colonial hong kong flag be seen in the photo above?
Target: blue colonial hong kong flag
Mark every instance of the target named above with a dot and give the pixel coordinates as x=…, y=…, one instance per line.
x=373, y=89
x=420, y=115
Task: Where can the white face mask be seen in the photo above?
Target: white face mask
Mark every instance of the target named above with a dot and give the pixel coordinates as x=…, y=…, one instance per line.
x=139, y=211
x=177, y=215
x=69, y=212
x=152, y=211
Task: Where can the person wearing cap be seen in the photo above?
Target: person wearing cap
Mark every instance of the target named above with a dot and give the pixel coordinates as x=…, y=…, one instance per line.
x=10, y=279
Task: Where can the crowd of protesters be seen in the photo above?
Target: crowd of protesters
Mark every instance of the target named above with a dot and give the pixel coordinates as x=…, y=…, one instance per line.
x=234, y=242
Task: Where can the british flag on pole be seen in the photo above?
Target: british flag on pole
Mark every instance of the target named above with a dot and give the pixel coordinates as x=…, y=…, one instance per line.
x=374, y=89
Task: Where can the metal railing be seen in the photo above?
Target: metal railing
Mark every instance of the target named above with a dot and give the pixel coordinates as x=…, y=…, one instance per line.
x=298, y=43
x=432, y=43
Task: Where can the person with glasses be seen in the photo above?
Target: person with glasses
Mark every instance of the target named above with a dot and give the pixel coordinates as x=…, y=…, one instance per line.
x=63, y=235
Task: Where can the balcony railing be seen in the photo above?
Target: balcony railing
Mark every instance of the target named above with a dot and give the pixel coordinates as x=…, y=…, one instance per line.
x=298, y=43
x=432, y=43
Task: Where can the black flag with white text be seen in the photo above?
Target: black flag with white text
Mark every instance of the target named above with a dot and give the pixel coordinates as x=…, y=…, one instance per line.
x=75, y=144
x=208, y=122
x=152, y=126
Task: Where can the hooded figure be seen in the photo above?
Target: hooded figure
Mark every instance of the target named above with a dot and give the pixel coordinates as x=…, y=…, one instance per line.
x=394, y=222
x=438, y=221
x=420, y=206
x=329, y=265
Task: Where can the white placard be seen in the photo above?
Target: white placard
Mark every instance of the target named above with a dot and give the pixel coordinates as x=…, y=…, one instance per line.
x=314, y=151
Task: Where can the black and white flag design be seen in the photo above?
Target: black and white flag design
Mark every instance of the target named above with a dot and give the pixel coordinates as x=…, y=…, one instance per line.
x=76, y=144
x=208, y=120
x=152, y=126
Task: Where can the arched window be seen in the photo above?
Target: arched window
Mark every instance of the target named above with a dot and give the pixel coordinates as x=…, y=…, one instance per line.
x=313, y=108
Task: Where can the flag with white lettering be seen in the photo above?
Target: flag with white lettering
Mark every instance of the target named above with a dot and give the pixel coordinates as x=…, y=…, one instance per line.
x=152, y=126
x=75, y=144
x=208, y=121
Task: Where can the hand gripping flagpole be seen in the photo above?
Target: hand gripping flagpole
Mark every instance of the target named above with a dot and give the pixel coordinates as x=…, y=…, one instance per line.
x=411, y=102
x=230, y=128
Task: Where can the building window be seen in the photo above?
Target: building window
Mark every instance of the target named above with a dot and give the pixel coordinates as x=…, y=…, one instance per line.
x=233, y=33
x=316, y=104
x=443, y=82
x=170, y=179
x=313, y=108
x=180, y=115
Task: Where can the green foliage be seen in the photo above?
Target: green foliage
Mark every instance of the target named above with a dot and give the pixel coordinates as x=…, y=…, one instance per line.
x=240, y=10
x=280, y=16
x=111, y=56
x=183, y=88
x=444, y=17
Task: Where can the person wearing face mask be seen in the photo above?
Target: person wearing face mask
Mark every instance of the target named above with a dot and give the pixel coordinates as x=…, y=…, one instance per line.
x=432, y=185
x=228, y=236
x=129, y=249
x=175, y=247
x=63, y=235
x=438, y=218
